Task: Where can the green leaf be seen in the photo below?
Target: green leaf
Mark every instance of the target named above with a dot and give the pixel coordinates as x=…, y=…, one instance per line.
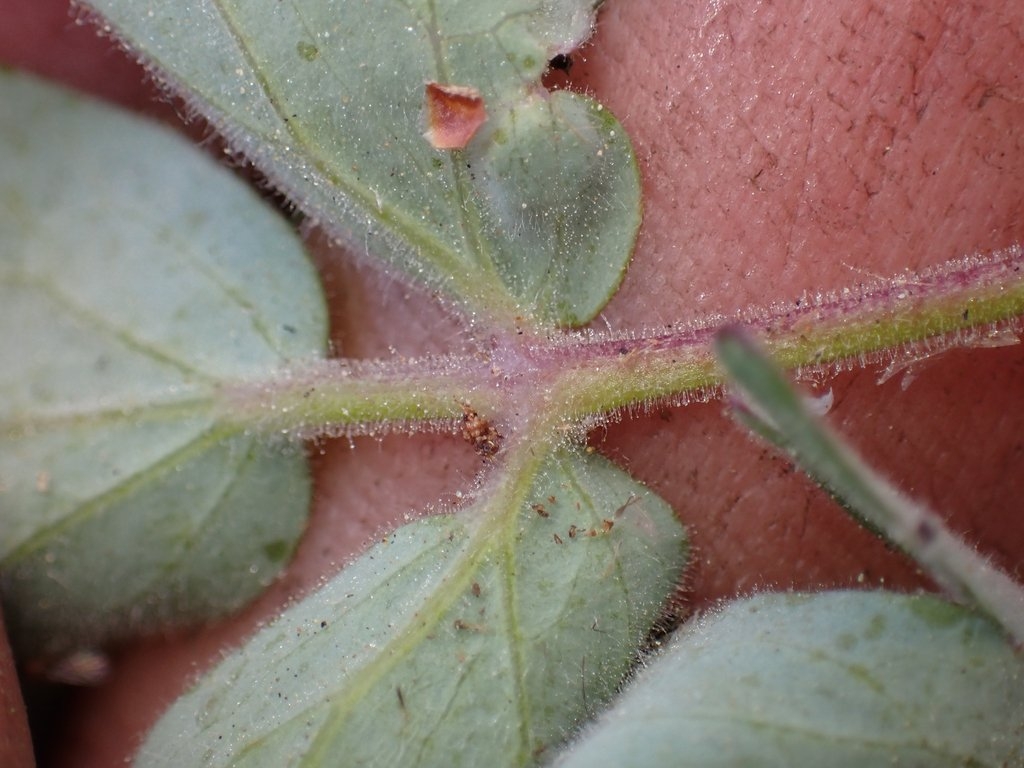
x=327, y=98
x=772, y=408
x=479, y=635
x=839, y=679
x=136, y=279
x=554, y=177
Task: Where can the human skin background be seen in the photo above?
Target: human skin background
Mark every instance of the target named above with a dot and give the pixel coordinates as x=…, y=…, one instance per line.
x=784, y=149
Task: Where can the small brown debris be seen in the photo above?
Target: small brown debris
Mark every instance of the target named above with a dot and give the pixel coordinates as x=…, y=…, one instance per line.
x=469, y=626
x=454, y=114
x=479, y=433
x=475, y=589
x=539, y=509
x=572, y=531
x=558, y=539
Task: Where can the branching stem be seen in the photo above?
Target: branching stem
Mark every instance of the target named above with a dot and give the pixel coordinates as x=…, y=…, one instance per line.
x=572, y=379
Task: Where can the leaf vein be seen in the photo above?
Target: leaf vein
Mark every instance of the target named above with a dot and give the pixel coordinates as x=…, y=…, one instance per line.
x=97, y=505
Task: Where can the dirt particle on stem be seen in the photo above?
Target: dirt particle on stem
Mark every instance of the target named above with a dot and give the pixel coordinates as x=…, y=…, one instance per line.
x=479, y=433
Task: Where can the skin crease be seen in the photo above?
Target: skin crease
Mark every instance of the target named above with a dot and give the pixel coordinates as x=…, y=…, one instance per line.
x=784, y=148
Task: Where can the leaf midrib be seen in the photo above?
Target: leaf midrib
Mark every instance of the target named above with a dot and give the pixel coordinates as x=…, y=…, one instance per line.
x=490, y=529
x=472, y=280
x=214, y=508
x=199, y=443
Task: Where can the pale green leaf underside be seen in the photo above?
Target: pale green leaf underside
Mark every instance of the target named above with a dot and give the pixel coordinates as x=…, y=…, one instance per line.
x=135, y=278
x=486, y=645
x=838, y=679
x=326, y=97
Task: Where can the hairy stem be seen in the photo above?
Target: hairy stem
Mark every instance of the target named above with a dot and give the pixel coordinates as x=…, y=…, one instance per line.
x=969, y=302
x=570, y=380
x=345, y=397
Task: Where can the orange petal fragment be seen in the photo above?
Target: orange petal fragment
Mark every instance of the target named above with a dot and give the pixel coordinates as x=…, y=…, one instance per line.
x=454, y=113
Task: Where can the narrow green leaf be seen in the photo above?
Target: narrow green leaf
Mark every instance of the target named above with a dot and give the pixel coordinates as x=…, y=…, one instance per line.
x=328, y=99
x=838, y=679
x=136, y=278
x=477, y=638
x=772, y=408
